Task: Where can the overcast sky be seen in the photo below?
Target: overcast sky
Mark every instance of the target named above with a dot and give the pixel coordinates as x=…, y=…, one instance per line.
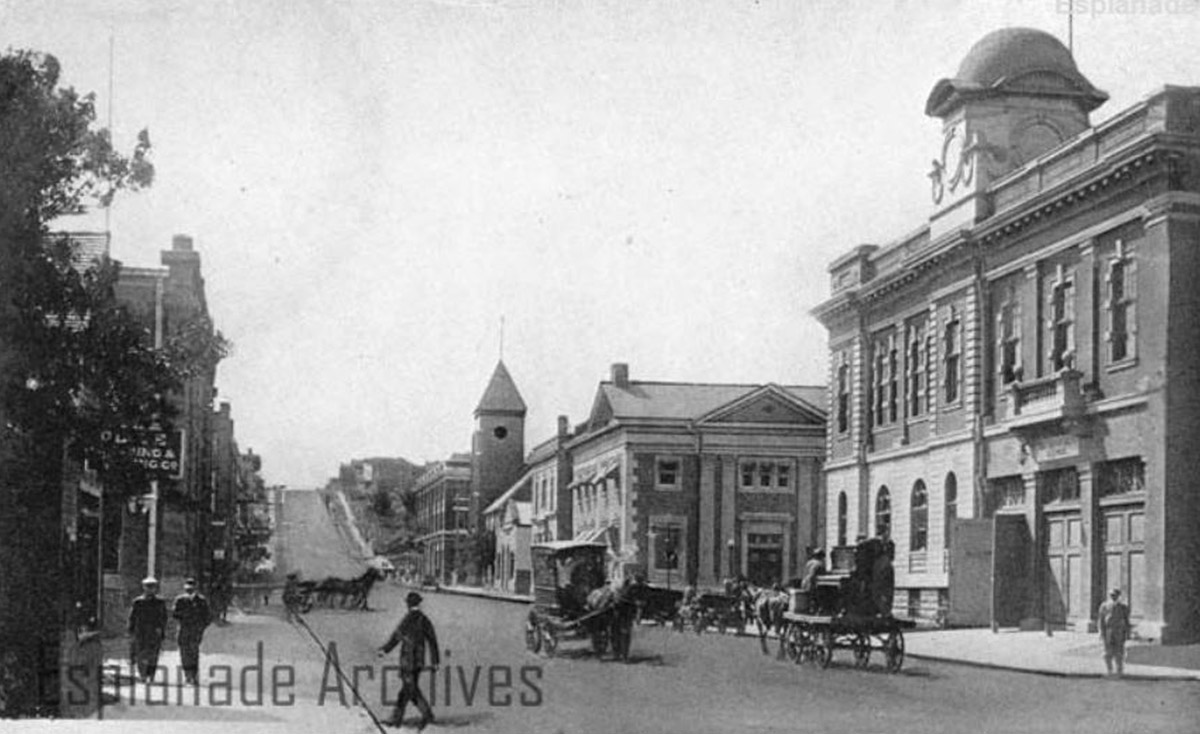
x=373, y=184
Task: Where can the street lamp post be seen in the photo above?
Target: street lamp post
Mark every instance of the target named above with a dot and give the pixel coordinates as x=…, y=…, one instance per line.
x=729, y=544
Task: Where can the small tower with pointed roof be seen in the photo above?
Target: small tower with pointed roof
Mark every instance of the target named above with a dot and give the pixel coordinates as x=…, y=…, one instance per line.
x=498, y=445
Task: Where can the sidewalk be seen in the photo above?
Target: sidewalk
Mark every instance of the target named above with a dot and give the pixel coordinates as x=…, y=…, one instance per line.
x=240, y=701
x=481, y=592
x=1073, y=654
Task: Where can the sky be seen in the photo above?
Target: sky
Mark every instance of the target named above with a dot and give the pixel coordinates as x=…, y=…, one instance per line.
x=376, y=187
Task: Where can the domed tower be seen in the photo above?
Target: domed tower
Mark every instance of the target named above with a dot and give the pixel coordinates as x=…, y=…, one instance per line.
x=498, y=446
x=1017, y=95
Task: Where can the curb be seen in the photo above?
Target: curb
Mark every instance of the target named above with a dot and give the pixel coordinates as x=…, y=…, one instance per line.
x=484, y=595
x=1052, y=673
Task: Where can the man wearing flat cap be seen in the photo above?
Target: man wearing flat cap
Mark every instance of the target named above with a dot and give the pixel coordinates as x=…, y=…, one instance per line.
x=414, y=634
x=1114, y=630
x=192, y=612
x=147, y=627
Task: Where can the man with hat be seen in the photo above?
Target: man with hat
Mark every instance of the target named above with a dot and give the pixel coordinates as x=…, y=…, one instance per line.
x=193, y=614
x=147, y=627
x=413, y=634
x=1114, y=630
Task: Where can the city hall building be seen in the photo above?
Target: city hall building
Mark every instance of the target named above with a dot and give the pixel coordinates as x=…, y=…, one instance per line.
x=1014, y=386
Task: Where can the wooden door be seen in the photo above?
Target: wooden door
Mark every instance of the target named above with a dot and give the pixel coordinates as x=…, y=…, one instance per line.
x=1125, y=554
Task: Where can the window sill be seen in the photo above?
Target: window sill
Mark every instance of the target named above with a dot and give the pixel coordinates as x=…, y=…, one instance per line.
x=765, y=490
x=951, y=407
x=1121, y=366
x=667, y=488
x=1128, y=498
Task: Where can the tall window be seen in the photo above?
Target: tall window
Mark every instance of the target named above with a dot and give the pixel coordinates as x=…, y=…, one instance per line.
x=1008, y=335
x=951, y=356
x=915, y=368
x=879, y=379
x=919, y=518
x=668, y=544
x=842, y=519
x=1060, y=320
x=951, y=505
x=883, y=513
x=843, y=397
x=893, y=379
x=930, y=368
x=1122, y=291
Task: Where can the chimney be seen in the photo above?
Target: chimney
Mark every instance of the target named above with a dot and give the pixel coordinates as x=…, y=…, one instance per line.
x=564, y=427
x=181, y=242
x=620, y=375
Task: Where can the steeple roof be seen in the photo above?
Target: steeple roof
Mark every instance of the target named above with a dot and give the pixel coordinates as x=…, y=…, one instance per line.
x=501, y=395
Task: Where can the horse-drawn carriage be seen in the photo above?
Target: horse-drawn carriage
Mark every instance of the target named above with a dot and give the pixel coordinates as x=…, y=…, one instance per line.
x=300, y=596
x=573, y=600
x=850, y=608
x=713, y=611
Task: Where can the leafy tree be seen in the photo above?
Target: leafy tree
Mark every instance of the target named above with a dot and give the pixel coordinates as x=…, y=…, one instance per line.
x=74, y=363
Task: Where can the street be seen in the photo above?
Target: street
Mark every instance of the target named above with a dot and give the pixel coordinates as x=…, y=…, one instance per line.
x=679, y=682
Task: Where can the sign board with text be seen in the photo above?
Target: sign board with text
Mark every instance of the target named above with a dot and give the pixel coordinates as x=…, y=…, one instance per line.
x=157, y=451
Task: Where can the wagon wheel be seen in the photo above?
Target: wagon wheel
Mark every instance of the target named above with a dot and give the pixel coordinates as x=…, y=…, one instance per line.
x=549, y=640
x=821, y=650
x=894, y=649
x=796, y=643
x=600, y=640
x=533, y=637
x=862, y=650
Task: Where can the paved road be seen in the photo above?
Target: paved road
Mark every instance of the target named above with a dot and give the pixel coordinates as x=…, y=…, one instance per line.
x=714, y=683
x=684, y=683
x=310, y=543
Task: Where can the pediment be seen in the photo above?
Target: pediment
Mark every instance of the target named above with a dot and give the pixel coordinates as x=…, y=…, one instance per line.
x=768, y=405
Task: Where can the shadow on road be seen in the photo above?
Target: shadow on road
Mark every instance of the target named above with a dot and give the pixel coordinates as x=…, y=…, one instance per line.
x=451, y=720
x=651, y=660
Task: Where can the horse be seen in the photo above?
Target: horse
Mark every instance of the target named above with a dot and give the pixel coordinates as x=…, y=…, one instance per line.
x=766, y=607
x=612, y=610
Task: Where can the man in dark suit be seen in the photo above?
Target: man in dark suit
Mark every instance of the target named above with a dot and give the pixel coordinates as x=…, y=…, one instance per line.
x=414, y=634
x=1114, y=630
x=193, y=613
x=147, y=628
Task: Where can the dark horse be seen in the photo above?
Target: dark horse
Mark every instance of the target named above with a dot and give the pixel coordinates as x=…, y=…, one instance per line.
x=611, y=611
x=352, y=594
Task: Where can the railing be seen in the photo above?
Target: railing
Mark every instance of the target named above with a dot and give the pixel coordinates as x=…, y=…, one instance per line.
x=1045, y=394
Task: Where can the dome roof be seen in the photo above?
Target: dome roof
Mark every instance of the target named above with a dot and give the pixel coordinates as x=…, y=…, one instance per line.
x=1015, y=60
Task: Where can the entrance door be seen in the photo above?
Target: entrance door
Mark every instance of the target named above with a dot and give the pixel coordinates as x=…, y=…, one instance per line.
x=1011, y=546
x=1064, y=554
x=1125, y=554
x=764, y=558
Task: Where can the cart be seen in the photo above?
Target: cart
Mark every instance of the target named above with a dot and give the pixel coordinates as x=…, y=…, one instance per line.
x=713, y=611
x=812, y=638
x=849, y=609
x=571, y=600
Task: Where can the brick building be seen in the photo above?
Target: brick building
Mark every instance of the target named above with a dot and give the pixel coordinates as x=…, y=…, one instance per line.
x=443, y=502
x=697, y=482
x=1018, y=373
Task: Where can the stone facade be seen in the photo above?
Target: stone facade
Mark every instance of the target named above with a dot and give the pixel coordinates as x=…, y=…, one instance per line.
x=1020, y=370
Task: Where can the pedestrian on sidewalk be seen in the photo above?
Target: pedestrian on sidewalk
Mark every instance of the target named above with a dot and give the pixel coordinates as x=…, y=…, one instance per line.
x=194, y=615
x=147, y=628
x=1114, y=630
x=414, y=634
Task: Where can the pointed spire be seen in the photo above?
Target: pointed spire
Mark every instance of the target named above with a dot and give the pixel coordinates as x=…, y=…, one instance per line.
x=501, y=395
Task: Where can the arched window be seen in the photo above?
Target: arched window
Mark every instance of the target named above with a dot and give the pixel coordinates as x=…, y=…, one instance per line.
x=841, y=519
x=919, y=518
x=883, y=513
x=951, y=504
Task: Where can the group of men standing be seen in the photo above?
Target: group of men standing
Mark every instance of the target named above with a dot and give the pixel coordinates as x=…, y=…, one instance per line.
x=148, y=629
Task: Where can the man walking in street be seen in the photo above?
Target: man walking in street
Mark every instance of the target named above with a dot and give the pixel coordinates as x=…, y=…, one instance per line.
x=192, y=612
x=1114, y=630
x=413, y=634
x=147, y=627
